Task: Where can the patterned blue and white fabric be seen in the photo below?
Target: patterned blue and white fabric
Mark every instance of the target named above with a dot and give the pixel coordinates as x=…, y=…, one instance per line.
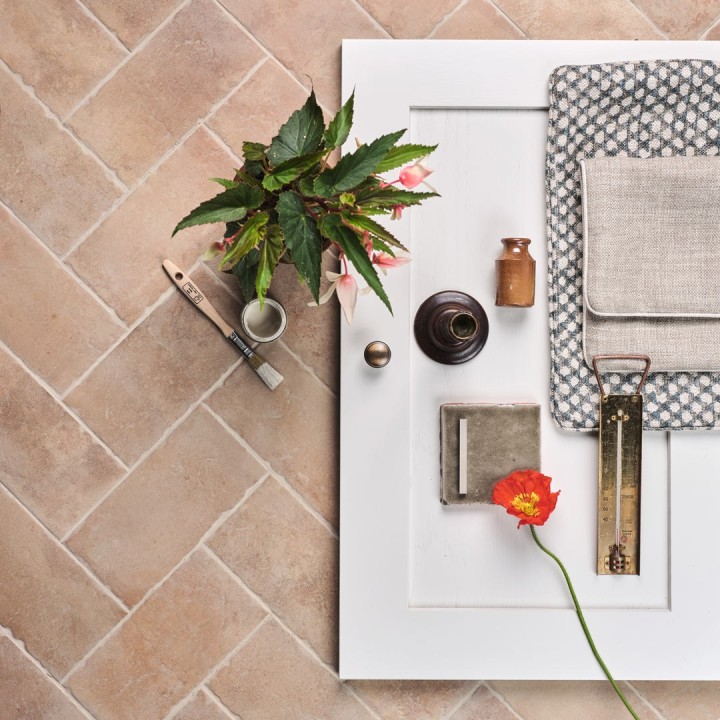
x=633, y=109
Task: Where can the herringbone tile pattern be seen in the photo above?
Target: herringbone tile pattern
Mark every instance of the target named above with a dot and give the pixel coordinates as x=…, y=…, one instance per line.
x=168, y=530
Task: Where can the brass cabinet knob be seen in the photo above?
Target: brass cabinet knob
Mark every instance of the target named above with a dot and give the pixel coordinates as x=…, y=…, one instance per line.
x=377, y=354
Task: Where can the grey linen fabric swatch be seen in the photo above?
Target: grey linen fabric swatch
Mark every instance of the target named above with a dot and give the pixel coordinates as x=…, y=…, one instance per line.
x=650, y=260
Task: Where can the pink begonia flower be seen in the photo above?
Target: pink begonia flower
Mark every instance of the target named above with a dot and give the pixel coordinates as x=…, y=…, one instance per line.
x=413, y=175
x=385, y=261
x=397, y=212
x=347, y=292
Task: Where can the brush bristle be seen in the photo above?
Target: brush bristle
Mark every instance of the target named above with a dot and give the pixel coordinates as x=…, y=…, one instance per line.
x=269, y=375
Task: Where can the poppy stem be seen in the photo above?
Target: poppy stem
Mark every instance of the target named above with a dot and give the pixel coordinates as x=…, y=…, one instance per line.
x=581, y=618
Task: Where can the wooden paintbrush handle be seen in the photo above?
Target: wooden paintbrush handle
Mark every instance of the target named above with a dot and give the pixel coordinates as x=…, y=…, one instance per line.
x=190, y=289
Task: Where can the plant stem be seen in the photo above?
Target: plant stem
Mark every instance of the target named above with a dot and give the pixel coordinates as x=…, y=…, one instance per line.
x=581, y=618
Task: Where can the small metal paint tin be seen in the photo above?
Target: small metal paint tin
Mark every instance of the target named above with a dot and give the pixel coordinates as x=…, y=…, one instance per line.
x=263, y=324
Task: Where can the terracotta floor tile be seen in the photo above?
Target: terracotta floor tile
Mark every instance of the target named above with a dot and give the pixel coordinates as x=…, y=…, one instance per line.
x=26, y=693
x=165, y=506
x=74, y=328
x=295, y=426
x=589, y=700
x=46, y=459
x=175, y=79
x=169, y=645
x=408, y=699
x=131, y=20
x=477, y=19
x=313, y=333
x=409, y=20
x=51, y=604
x=257, y=110
x=288, y=558
x=683, y=700
x=55, y=188
x=483, y=705
x=272, y=676
x=162, y=367
x=583, y=19
x=681, y=20
x=135, y=279
x=201, y=707
x=307, y=39
x=57, y=48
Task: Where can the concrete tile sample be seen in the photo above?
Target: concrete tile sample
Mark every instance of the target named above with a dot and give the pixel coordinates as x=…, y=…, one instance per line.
x=500, y=439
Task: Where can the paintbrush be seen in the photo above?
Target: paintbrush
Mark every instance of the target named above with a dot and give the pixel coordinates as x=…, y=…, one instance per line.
x=266, y=372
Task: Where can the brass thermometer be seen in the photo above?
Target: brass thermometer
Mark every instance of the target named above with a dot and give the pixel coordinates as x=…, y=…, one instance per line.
x=619, y=472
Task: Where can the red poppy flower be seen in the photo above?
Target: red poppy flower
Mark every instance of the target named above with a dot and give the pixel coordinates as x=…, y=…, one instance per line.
x=526, y=494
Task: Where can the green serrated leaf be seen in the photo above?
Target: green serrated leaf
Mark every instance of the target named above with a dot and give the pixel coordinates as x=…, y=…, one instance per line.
x=254, y=168
x=301, y=238
x=331, y=226
x=389, y=196
x=270, y=252
x=352, y=169
x=233, y=204
x=362, y=222
x=300, y=135
x=347, y=198
x=382, y=246
x=252, y=233
x=402, y=154
x=290, y=170
x=339, y=127
x=254, y=151
x=225, y=183
x=245, y=270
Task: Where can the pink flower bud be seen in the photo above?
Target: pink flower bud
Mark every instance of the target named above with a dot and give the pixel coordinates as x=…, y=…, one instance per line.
x=413, y=175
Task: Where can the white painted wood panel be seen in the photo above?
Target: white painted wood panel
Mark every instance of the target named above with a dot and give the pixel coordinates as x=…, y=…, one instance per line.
x=434, y=592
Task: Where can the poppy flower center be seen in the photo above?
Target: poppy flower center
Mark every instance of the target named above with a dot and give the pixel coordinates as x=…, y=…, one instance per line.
x=526, y=503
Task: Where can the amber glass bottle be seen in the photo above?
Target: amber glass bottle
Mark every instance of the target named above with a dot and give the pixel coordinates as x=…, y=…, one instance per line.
x=515, y=274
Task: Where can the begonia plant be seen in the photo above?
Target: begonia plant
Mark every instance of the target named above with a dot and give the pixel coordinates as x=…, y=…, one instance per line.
x=288, y=204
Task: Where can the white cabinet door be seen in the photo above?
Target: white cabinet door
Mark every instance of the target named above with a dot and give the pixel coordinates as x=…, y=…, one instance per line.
x=428, y=591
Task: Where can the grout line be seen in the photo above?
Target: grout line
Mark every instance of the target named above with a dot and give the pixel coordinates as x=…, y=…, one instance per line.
x=645, y=700
x=373, y=19
x=110, y=174
x=86, y=11
x=217, y=701
x=149, y=451
x=7, y=632
x=509, y=19
x=445, y=17
x=221, y=142
x=308, y=368
x=56, y=396
x=140, y=46
x=259, y=600
x=101, y=586
x=277, y=476
x=644, y=15
x=465, y=698
x=502, y=700
x=202, y=685
x=711, y=26
x=67, y=269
